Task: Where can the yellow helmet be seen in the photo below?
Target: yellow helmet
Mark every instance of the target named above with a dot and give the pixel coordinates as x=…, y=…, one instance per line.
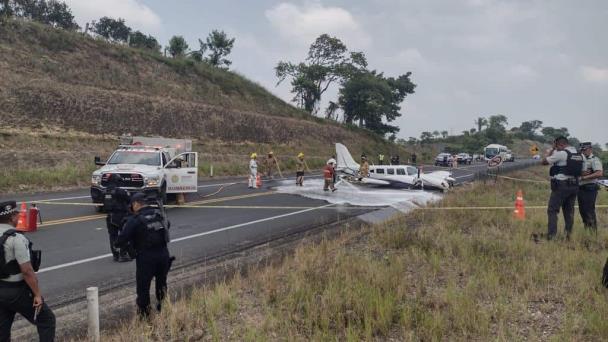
x=300, y=155
x=254, y=155
x=270, y=153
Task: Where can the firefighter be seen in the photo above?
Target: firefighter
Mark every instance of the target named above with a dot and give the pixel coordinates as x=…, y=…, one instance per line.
x=253, y=171
x=271, y=164
x=328, y=175
x=588, y=187
x=380, y=159
x=300, y=166
x=364, y=168
x=116, y=204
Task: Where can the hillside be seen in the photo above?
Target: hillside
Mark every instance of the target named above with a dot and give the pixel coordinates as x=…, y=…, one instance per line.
x=53, y=81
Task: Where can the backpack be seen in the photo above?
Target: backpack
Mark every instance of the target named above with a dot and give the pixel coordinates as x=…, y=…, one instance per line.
x=11, y=268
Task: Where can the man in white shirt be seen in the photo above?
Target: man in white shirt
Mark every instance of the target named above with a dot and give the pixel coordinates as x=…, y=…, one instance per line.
x=564, y=186
x=253, y=171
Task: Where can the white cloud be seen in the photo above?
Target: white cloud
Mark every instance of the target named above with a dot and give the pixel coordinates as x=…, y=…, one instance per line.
x=594, y=74
x=522, y=72
x=136, y=14
x=305, y=23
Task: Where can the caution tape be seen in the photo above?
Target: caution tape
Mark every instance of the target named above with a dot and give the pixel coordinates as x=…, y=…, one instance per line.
x=519, y=179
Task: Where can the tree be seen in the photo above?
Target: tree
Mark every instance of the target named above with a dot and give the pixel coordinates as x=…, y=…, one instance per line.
x=550, y=133
x=52, y=12
x=374, y=100
x=219, y=46
x=141, y=41
x=481, y=123
x=178, y=46
x=111, y=29
x=331, y=111
x=528, y=129
x=436, y=134
x=444, y=134
x=426, y=137
x=328, y=61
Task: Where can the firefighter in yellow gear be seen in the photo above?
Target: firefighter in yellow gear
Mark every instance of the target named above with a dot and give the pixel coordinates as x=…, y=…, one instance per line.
x=364, y=168
x=300, y=167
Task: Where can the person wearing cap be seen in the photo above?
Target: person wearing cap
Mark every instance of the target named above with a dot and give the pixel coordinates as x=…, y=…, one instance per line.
x=564, y=186
x=364, y=168
x=19, y=291
x=116, y=204
x=147, y=231
x=300, y=167
x=328, y=175
x=271, y=164
x=588, y=187
x=253, y=171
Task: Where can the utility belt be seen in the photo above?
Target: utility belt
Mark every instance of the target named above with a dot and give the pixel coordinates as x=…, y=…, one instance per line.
x=12, y=284
x=557, y=183
x=589, y=187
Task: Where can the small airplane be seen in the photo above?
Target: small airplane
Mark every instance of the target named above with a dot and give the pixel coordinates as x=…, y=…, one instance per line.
x=391, y=175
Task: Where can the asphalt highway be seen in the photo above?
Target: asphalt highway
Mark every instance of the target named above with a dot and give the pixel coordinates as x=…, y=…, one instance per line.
x=224, y=216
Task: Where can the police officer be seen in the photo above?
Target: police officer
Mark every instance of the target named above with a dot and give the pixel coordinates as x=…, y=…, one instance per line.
x=148, y=232
x=587, y=191
x=380, y=159
x=564, y=186
x=19, y=291
x=116, y=204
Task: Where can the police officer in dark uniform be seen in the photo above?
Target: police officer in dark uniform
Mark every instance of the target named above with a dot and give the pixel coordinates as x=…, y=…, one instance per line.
x=148, y=232
x=587, y=191
x=116, y=203
x=564, y=184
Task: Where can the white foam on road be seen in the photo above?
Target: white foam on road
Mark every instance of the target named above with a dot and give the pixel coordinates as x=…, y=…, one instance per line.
x=401, y=199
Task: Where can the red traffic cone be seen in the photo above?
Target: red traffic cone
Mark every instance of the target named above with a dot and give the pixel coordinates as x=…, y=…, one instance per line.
x=520, y=209
x=22, y=223
x=258, y=181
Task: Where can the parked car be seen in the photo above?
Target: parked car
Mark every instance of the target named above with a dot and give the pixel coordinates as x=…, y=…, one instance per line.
x=509, y=157
x=443, y=159
x=464, y=158
x=478, y=157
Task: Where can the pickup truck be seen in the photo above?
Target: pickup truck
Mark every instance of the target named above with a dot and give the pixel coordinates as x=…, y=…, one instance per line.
x=154, y=166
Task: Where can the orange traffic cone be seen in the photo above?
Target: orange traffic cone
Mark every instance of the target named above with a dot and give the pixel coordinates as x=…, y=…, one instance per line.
x=520, y=208
x=258, y=181
x=22, y=223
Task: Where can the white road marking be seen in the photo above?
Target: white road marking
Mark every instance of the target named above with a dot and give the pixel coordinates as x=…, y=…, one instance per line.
x=99, y=257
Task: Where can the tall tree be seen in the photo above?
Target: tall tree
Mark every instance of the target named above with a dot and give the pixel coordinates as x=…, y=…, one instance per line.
x=111, y=29
x=178, y=46
x=142, y=41
x=426, y=137
x=50, y=12
x=219, y=46
x=328, y=61
x=481, y=123
x=374, y=100
x=331, y=111
x=444, y=134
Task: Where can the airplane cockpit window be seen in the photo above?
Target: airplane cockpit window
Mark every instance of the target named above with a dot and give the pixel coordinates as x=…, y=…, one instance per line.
x=401, y=172
x=390, y=171
x=412, y=170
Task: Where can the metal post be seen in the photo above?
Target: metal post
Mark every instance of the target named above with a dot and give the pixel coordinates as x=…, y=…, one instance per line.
x=93, y=313
x=211, y=171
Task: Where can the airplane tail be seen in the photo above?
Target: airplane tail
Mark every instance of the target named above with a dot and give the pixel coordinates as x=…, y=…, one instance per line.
x=345, y=161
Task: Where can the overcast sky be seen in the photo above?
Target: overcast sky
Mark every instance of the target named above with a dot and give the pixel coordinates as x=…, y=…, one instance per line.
x=527, y=59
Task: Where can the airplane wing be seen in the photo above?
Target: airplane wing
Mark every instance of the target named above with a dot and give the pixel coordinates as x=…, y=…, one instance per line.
x=374, y=181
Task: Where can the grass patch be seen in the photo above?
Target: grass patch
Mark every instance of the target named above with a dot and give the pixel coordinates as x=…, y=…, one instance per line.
x=457, y=275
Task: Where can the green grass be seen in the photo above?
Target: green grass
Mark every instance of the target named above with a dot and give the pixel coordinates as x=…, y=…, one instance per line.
x=45, y=178
x=428, y=275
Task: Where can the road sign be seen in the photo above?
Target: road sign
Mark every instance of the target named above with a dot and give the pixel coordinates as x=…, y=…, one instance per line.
x=495, y=162
x=534, y=150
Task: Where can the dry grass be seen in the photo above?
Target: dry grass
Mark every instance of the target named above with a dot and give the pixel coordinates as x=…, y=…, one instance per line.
x=458, y=275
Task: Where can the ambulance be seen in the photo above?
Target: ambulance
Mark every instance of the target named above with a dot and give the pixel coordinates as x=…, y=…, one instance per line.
x=154, y=166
